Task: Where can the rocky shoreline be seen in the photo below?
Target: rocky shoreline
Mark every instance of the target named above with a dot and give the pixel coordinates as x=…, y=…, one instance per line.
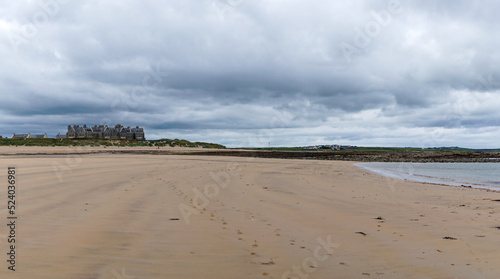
x=367, y=156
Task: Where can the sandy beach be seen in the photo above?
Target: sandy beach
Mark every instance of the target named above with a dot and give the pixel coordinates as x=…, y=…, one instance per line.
x=169, y=216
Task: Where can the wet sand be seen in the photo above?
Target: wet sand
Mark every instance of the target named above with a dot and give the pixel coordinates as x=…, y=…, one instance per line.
x=169, y=216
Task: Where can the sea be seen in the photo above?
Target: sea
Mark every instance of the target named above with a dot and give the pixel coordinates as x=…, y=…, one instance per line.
x=476, y=175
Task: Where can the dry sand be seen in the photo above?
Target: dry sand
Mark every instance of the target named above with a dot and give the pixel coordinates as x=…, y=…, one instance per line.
x=118, y=216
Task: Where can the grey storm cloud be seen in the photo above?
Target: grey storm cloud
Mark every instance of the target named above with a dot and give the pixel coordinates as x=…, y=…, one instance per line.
x=244, y=72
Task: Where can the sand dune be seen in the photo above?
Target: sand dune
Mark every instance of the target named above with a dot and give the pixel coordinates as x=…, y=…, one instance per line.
x=145, y=216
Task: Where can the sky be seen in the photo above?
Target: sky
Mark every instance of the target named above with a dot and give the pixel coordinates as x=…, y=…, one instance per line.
x=254, y=73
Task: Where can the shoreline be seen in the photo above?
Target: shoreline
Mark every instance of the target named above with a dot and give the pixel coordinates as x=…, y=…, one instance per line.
x=426, y=179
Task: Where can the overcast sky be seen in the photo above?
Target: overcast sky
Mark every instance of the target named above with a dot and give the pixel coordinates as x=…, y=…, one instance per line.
x=256, y=72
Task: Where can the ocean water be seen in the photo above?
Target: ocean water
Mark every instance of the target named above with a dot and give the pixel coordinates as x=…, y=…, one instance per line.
x=479, y=175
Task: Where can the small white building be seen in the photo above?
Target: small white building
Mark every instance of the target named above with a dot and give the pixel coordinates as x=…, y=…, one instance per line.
x=29, y=136
x=44, y=136
x=19, y=136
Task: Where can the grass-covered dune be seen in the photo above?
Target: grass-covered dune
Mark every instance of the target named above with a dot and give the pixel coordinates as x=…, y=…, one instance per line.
x=106, y=142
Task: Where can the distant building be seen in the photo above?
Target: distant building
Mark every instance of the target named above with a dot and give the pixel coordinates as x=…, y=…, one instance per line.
x=59, y=136
x=28, y=136
x=105, y=132
x=19, y=136
x=333, y=147
x=323, y=146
